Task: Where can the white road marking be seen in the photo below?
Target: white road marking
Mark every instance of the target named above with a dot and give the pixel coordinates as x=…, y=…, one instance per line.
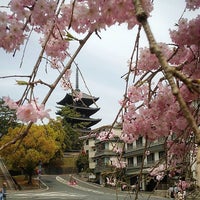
x=58, y=178
x=48, y=194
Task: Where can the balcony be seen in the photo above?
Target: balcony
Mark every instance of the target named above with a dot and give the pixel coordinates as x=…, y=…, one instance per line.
x=105, y=152
x=156, y=147
x=103, y=168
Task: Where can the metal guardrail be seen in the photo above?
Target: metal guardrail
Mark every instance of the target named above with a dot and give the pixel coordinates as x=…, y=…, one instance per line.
x=6, y=175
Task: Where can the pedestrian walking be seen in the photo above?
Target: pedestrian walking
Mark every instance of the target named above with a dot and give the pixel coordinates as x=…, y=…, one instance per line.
x=172, y=192
x=1, y=194
x=4, y=190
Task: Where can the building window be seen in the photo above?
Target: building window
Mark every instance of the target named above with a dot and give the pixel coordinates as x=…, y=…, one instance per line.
x=106, y=146
x=100, y=162
x=106, y=160
x=87, y=142
x=130, y=161
x=161, y=139
x=151, y=158
x=139, y=142
x=129, y=146
x=161, y=154
x=139, y=160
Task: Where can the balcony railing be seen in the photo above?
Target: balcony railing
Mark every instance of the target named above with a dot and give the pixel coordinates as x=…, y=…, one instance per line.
x=138, y=164
x=103, y=168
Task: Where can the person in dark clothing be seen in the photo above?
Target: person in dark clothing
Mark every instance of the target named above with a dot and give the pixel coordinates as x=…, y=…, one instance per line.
x=4, y=190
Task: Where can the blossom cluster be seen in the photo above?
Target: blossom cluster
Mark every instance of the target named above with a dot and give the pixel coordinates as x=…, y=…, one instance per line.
x=105, y=135
x=77, y=95
x=118, y=150
x=83, y=16
x=158, y=172
x=98, y=14
x=119, y=164
x=188, y=32
x=192, y=4
x=177, y=152
x=29, y=112
x=111, y=181
x=148, y=61
x=12, y=34
x=150, y=121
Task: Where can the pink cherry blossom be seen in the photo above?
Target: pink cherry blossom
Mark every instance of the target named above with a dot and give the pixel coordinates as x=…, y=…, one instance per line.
x=158, y=172
x=27, y=113
x=42, y=12
x=148, y=61
x=119, y=164
x=20, y=8
x=68, y=74
x=118, y=150
x=42, y=113
x=188, y=32
x=105, y=135
x=10, y=103
x=111, y=181
x=78, y=95
x=66, y=84
x=192, y=4
x=12, y=33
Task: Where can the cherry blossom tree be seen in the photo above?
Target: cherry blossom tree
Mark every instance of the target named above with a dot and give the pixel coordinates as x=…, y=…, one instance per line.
x=161, y=96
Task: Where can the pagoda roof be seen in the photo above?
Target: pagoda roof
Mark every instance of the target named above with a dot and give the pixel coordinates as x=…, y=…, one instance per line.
x=85, y=110
x=90, y=121
x=85, y=100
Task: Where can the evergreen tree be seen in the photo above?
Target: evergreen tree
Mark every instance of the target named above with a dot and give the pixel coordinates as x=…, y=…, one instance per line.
x=82, y=162
x=7, y=118
x=72, y=130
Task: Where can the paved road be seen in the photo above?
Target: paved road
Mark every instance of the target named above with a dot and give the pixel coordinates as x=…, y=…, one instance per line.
x=58, y=188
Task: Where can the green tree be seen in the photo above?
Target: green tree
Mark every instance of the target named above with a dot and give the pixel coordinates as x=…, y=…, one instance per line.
x=7, y=118
x=82, y=162
x=72, y=130
x=40, y=145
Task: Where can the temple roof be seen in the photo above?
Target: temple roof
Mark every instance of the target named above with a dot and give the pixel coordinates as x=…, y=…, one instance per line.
x=87, y=111
x=90, y=121
x=85, y=100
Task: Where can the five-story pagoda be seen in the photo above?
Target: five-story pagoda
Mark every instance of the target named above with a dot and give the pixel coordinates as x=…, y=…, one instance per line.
x=83, y=107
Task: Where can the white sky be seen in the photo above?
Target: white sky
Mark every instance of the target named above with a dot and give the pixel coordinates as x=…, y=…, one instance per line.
x=102, y=62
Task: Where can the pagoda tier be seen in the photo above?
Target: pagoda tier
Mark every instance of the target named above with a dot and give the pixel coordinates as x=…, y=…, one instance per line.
x=88, y=121
x=84, y=111
x=86, y=100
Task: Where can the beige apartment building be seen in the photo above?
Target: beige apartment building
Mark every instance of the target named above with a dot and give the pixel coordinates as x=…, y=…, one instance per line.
x=101, y=156
x=90, y=148
x=137, y=158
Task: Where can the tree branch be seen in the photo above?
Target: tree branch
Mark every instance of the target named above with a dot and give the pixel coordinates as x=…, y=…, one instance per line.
x=167, y=70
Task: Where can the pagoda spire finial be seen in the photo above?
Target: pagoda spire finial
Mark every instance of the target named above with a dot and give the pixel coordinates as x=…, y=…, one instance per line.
x=77, y=80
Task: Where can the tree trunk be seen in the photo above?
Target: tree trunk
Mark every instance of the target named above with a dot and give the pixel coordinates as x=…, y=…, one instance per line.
x=30, y=179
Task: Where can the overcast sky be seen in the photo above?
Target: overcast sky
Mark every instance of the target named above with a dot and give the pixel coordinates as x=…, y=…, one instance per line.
x=102, y=62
